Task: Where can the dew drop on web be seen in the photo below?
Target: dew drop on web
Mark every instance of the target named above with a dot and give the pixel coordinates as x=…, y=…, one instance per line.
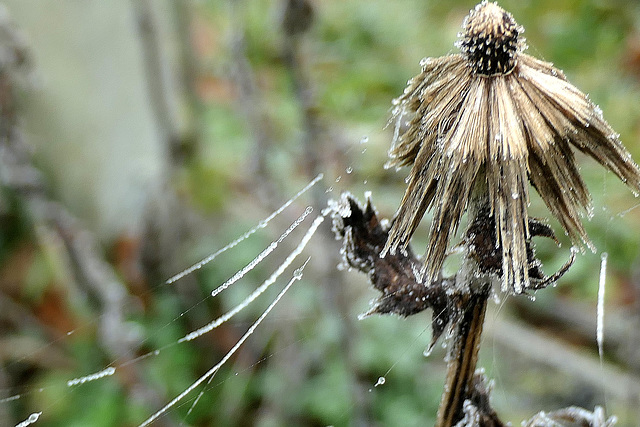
x=428, y=350
x=33, y=418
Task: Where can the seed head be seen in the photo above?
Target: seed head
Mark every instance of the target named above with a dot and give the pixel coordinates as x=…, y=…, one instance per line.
x=490, y=41
x=496, y=119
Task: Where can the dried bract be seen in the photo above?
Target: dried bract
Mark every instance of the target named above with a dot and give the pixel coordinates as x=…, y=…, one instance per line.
x=571, y=417
x=363, y=236
x=495, y=119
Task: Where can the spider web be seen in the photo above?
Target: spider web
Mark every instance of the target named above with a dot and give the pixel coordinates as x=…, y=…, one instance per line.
x=112, y=368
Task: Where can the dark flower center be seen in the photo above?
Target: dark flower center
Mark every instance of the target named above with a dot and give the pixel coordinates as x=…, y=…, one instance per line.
x=490, y=40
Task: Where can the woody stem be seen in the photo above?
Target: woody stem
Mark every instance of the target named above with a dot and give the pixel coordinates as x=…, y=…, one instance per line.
x=473, y=287
x=462, y=358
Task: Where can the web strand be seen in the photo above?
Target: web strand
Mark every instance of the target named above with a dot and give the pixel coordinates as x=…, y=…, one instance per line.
x=257, y=260
x=297, y=275
x=600, y=310
x=262, y=224
x=261, y=289
x=255, y=294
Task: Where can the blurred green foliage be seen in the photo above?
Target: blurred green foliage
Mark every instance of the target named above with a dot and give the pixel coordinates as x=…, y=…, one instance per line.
x=312, y=363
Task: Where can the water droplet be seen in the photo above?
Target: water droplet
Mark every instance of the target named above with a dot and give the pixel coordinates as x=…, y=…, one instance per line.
x=349, y=170
x=515, y=196
x=365, y=182
x=364, y=315
x=339, y=178
x=496, y=298
x=329, y=190
x=381, y=381
x=427, y=351
x=364, y=139
x=598, y=111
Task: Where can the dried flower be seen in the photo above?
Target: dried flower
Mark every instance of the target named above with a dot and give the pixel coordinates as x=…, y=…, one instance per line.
x=493, y=117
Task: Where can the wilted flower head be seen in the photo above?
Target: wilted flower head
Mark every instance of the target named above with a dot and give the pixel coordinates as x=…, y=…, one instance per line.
x=495, y=118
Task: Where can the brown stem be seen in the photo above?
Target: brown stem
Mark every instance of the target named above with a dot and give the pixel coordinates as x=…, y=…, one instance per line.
x=462, y=358
x=470, y=304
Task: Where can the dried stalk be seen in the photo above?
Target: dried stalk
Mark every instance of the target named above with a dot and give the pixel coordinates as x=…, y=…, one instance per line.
x=477, y=127
x=474, y=279
x=465, y=123
x=458, y=303
x=462, y=359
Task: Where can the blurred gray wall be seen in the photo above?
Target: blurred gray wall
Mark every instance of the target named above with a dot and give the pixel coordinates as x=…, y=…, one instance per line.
x=88, y=116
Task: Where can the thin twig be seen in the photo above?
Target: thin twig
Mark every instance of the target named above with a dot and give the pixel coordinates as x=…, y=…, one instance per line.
x=159, y=82
x=250, y=100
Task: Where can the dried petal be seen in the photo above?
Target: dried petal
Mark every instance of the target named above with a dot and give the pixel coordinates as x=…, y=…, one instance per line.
x=490, y=119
